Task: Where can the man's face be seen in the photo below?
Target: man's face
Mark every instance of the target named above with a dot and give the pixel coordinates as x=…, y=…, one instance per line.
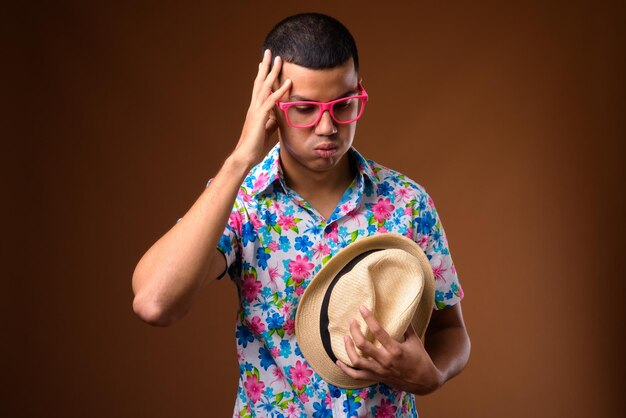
x=303, y=144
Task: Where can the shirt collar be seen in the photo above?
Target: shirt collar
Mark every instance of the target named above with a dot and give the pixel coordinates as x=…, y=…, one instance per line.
x=269, y=171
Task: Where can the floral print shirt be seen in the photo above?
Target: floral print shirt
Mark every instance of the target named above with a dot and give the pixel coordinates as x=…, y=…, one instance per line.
x=274, y=244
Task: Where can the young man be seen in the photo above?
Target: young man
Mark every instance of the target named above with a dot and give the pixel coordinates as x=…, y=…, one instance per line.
x=272, y=220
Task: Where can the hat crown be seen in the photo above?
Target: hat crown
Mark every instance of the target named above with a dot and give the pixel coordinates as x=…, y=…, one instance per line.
x=388, y=283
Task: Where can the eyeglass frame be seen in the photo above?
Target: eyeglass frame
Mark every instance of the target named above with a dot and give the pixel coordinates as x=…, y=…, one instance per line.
x=325, y=106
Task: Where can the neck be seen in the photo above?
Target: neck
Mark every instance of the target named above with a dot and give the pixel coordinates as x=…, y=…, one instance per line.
x=310, y=183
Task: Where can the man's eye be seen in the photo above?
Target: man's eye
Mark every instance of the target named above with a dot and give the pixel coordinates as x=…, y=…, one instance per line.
x=305, y=109
x=344, y=104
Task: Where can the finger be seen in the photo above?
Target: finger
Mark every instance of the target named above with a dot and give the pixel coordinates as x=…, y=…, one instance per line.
x=357, y=374
x=271, y=99
x=380, y=355
x=359, y=362
x=271, y=77
x=362, y=343
x=264, y=66
x=379, y=333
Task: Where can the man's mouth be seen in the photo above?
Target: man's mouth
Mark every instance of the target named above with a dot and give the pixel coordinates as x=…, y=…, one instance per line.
x=326, y=146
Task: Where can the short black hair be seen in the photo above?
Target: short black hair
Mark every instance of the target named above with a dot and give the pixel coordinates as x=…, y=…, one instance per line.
x=312, y=40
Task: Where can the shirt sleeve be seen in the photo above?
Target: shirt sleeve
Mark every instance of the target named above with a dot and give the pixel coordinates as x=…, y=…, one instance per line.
x=229, y=244
x=428, y=232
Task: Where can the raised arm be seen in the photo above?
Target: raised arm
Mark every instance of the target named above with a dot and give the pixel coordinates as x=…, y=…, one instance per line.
x=169, y=275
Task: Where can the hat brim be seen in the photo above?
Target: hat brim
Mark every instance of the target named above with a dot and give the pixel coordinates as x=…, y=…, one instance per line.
x=307, y=326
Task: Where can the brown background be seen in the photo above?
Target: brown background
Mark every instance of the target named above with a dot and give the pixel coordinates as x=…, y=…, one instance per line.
x=511, y=115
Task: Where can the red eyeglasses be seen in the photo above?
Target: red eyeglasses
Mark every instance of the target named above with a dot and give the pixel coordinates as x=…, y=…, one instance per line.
x=304, y=114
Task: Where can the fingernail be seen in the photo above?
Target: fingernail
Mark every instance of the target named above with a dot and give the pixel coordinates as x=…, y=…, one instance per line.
x=363, y=309
x=266, y=52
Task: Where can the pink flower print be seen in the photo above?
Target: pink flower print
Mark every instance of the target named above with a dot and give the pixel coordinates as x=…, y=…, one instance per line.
x=286, y=309
x=403, y=194
x=256, y=222
x=408, y=211
x=320, y=249
x=278, y=374
x=300, y=374
x=355, y=216
x=363, y=393
x=440, y=266
x=328, y=400
x=385, y=409
x=293, y=410
x=234, y=220
x=423, y=242
x=273, y=273
x=254, y=388
x=299, y=290
x=275, y=351
x=332, y=234
x=409, y=233
x=286, y=221
x=382, y=209
x=273, y=246
x=250, y=288
x=345, y=208
x=256, y=325
x=263, y=177
x=290, y=326
x=247, y=198
x=300, y=268
x=278, y=206
x=304, y=398
x=383, y=230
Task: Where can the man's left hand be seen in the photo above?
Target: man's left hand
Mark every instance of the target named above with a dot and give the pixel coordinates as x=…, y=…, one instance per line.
x=402, y=365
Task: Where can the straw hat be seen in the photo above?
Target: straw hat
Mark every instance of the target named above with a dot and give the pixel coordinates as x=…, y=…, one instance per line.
x=387, y=273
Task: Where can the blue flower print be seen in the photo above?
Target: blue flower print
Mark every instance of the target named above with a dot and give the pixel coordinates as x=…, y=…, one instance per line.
x=262, y=257
x=244, y=335
x=266, y=357
x=283, y=243
x=425, y=223
x=269, y=218
x=225, y=244
x=275, y=322
x=285, y=349
x=303, y=243
x=350, y=405
x=248, y=233
x=384, y=189
x=321, y=411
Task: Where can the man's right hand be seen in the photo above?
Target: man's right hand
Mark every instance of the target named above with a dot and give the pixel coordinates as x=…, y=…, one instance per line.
x=260, y=121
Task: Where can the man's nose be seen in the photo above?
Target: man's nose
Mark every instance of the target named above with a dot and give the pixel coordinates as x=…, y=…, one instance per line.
x=326, y=125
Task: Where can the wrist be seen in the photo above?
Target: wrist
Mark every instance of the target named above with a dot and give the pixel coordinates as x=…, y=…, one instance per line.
x=237, y=165
x=428, y=383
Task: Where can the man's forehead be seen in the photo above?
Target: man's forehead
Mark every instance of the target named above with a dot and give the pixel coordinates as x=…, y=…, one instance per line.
x=325, y=84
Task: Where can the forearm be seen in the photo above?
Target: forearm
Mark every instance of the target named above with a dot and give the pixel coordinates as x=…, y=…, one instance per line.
x=171, y=272
x=449, y=349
